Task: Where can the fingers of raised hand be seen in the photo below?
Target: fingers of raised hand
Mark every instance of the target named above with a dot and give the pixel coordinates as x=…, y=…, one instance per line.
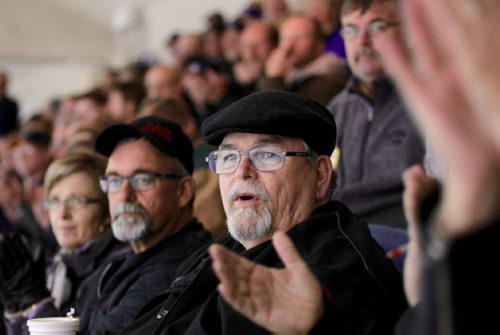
x=287, y=251
x=239, y=284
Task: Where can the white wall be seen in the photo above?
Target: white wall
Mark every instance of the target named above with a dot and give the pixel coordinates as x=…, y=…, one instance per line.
x=49, y=51
x=35, y=82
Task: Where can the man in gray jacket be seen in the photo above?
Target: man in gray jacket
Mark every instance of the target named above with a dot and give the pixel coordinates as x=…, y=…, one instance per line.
x=376, y=139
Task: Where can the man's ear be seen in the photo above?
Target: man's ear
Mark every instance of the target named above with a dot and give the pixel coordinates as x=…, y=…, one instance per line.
x=324, y=174
x=186, y=191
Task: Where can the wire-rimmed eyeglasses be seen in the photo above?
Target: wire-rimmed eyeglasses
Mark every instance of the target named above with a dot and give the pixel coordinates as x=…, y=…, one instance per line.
x=140, y=182
x=71, y=203
x=264, y=159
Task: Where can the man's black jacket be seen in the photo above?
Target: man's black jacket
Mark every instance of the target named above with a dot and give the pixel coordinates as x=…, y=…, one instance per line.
x=365, y=288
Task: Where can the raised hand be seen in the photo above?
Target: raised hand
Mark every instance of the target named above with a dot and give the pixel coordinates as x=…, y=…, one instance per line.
x=433, y=85
x=468, y=40
x=418, y=186
x=277, y=64
x=284, y=301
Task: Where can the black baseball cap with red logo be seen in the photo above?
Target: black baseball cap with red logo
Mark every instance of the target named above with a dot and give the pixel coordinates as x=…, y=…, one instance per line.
x=166, y=136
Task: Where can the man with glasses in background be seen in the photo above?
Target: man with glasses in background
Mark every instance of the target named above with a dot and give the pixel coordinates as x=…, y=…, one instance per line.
x=275, y=175
x=377, y=140
x=150, y=191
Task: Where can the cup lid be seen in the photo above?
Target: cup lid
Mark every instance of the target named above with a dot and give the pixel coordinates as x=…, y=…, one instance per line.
x=54, y=324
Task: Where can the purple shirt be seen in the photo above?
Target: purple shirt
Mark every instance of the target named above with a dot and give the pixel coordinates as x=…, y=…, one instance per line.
x=335, y=44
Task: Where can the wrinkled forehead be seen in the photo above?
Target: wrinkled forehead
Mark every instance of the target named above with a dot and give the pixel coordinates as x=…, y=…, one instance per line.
x=252, y=140
x=146, y=157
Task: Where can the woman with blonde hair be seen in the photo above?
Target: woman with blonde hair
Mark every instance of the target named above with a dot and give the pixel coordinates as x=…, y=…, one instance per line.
x=79, y=217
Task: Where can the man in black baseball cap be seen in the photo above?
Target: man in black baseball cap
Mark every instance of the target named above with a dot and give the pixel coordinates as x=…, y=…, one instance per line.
x=275, y=175
x=150, y=191
x=164, y=135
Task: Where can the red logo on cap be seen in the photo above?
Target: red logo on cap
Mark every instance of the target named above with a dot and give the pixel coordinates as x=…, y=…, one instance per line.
x=163, y=132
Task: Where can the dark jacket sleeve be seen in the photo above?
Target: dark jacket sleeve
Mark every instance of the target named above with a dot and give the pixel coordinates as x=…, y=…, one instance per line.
x=459, y=289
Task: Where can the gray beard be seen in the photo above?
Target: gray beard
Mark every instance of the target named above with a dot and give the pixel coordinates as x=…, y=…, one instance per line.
x=245, y=224
x=128, y=228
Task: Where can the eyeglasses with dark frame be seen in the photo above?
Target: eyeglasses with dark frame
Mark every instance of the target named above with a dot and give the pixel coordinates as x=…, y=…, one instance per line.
x=140, y=182
x=373, y=28
x=264, y=159
x=72, y=203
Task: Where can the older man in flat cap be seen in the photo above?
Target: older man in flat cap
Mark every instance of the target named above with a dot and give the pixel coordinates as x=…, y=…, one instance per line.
x=275, y=176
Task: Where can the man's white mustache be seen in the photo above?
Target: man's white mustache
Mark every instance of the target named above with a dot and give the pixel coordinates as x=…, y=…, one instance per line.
x=128, y=207
x=245, y=187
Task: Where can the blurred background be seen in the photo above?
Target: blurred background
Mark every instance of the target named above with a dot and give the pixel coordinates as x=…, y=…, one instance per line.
x=54, y=48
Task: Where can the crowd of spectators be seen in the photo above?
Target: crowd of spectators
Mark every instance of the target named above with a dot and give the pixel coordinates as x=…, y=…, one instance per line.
x=330, y=52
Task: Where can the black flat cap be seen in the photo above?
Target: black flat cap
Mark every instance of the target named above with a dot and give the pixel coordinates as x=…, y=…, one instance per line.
x=275, y=113
x=167, y=136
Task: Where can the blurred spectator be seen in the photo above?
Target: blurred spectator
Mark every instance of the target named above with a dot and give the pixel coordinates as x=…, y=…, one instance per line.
x=300, y=65
x=51, y=110
x=36, y=123
x=171, y=41
x=109, y=79
x=327, y=14
x=31, y=158
x=257, y=40
x=216, y=22
x=82, y=138
x=134, y=72
x=163, y=81
x=188, y=45
x=9, y=181
x=8, y=108
x=253, y=12
x=275, y=11
x=377, y=140
x=90, y=109
x=212, y=38
x=212, y=45
x=231, y=40
x=87, y=110
x=207, y=201
x=209, y=85
x=64, y=126
x=124, y=100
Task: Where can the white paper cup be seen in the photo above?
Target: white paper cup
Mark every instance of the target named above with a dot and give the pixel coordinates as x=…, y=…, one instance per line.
x=54, y=326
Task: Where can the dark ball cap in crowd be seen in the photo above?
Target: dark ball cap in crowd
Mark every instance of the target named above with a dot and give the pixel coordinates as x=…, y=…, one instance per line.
x=275, y=113
x=166, y=136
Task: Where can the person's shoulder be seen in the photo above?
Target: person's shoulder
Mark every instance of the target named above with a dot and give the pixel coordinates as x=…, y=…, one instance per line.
x=331, y=226
x=344, y=98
